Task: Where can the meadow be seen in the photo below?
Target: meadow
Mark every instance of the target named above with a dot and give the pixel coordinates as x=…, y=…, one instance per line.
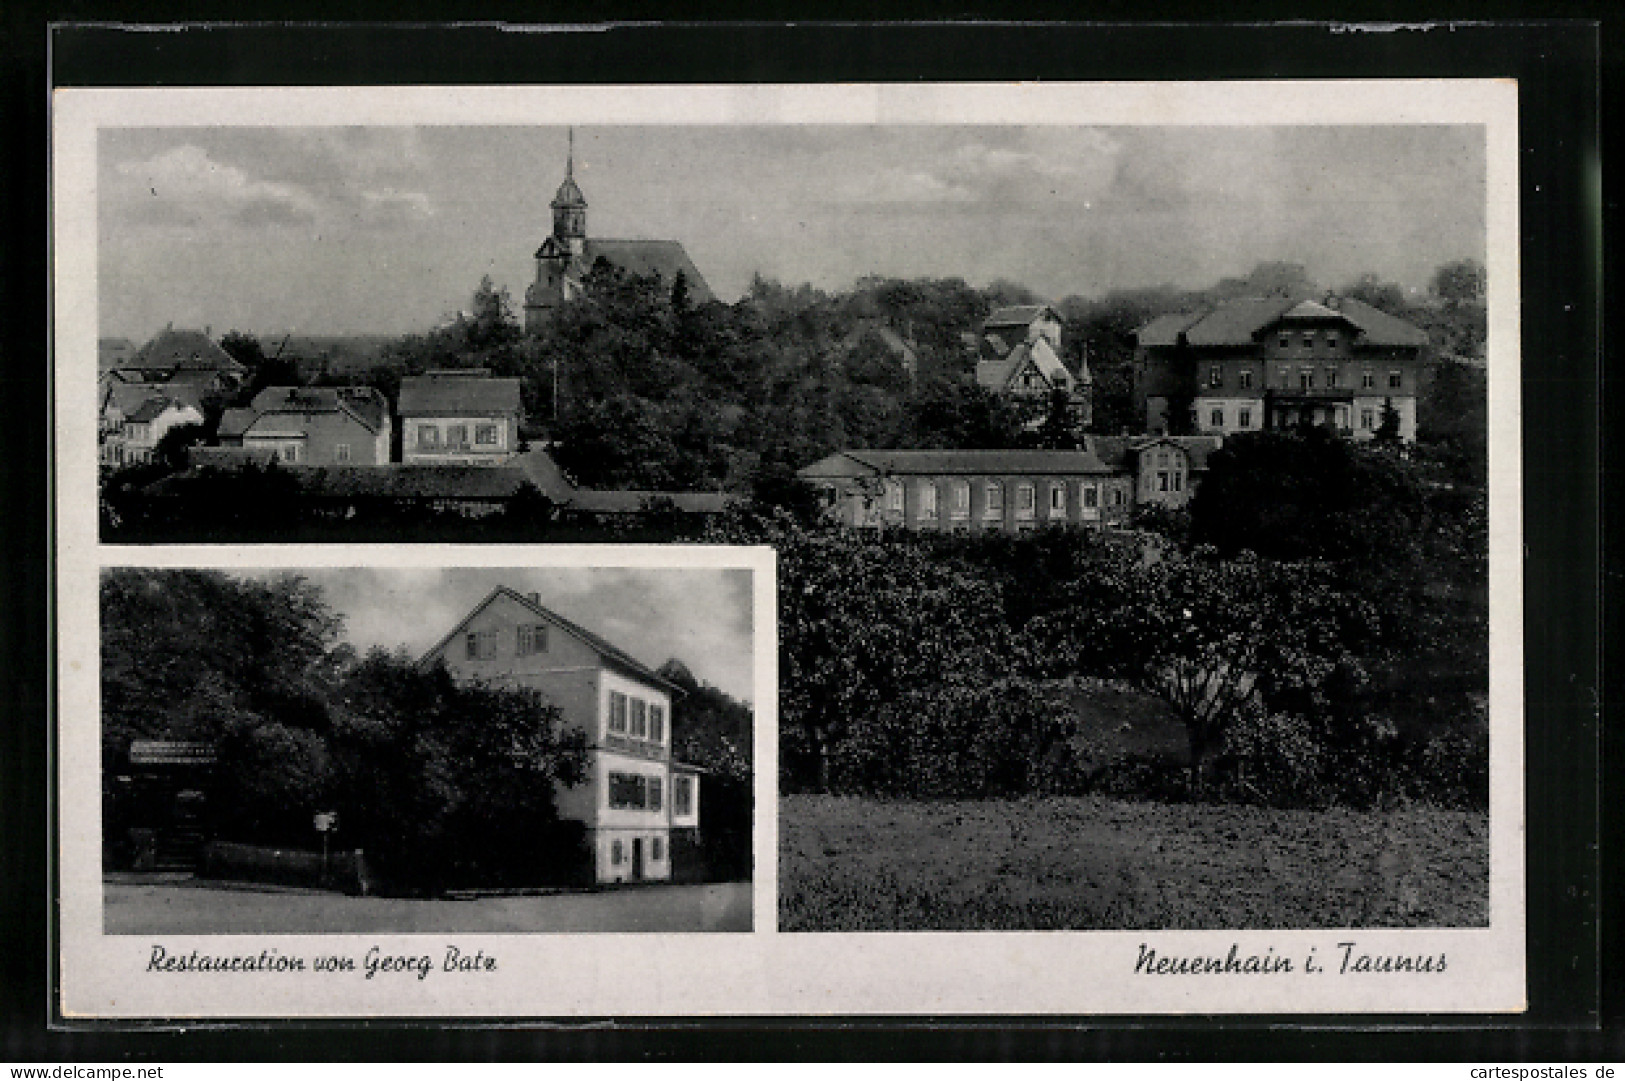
x=1097, y=863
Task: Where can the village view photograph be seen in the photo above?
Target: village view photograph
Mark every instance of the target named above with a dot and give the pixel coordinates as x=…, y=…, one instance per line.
x=1128, y=487
x=364, y=749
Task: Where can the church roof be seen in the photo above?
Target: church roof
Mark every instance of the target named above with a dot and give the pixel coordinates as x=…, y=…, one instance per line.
x=643, y=257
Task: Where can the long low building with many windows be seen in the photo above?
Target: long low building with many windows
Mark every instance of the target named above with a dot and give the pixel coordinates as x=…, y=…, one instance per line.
x=1010, y=490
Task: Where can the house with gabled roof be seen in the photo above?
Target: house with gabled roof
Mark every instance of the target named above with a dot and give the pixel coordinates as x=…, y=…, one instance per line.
x=189, y=356
x=568, y=255
x=1165, y=469
x=135, y=437
x=971, y=490
x=635, y=801
x=313, y=425
x=461, y=416
x=1279, y=362
x=1019, y=356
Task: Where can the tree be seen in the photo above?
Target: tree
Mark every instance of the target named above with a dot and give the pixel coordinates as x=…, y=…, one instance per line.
x=1384, y=295
x=1460, y=283
x=245, y=349
x=1388, y=430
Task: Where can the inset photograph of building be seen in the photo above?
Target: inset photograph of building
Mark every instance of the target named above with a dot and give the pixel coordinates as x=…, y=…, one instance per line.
x=399, y=749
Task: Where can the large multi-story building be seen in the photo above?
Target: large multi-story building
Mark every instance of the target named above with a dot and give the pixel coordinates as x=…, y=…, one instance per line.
x=1278, y=362
x=636, y=801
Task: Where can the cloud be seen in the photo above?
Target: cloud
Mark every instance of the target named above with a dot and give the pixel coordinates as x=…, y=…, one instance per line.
x=388, y=205
x=185, y=185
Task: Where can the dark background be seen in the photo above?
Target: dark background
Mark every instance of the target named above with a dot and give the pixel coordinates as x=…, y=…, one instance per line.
x=1574, y=971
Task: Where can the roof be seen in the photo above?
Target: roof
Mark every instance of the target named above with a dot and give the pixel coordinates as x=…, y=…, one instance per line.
x=155, y=407
x=1239, y=322
x=998, y=374
x=939, y=462
x=448, y=394
x=230, y=457
x=1018, y=315
x=666, y=258
x=606, y=649
x=127, y=397
x=568, y=195
x=113, y=353
x=603, y=501
x=483, y=483
x=192, y=349
x=363, y=404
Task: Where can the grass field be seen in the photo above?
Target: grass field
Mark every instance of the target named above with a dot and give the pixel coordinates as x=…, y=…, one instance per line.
x=850, y=864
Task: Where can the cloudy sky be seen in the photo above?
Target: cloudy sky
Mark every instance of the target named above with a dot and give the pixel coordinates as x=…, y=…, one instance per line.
x=387, y=230
x=700, y=616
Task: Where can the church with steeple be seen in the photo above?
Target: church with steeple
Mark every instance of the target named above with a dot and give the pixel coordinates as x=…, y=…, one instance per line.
x=568, y=254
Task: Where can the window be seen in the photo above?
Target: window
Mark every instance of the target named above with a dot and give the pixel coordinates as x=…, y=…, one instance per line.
x=1162, y=480
x=928, y=501
x=682, y=796
x=995, y=500
x=1306, y=379
x=1117, y=497
x=1091, y=496
x=617, y=711
x=657, y=849
x=628, y=791
x=1217, y=419
x=894, y=497
x=485, y=435
x=1368, y=419
x=616, y=853
x=1394, y=380
x=428, y=436
x=1286, y=380
x=640, y=718
x=341, y=452
x=1057, y=499
x=1368, y=380
x=961, y=499
x=1245, y=379
x=457, y=435
x=1244, y=417
x=482, y=645
x=1215, y=376
x=1178, y=479
x=1308, y=339
x=1331, y=339
x=290, y=453
x=655, y=795
x=657, y=722
x=1024, y=501
x=1331, y=377
x=532, y=639
x=1285, y=340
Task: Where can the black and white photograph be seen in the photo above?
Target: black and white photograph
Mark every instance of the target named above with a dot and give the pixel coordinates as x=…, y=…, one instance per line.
x=1139, y=466
x=348, y=750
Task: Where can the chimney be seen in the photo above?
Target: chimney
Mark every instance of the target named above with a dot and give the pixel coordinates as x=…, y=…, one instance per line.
x=208, y=330
x=534, y=598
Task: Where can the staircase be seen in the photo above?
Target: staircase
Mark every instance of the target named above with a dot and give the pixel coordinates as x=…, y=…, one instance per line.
x=178, y=849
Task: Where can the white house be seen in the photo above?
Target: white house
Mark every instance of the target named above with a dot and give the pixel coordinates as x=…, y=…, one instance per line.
x=635, y=800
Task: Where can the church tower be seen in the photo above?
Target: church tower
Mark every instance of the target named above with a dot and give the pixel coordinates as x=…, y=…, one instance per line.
x=570, y=207
x=559, y=258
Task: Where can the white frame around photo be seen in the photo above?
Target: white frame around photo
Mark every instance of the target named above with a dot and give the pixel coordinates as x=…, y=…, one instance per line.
x=764, y=972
